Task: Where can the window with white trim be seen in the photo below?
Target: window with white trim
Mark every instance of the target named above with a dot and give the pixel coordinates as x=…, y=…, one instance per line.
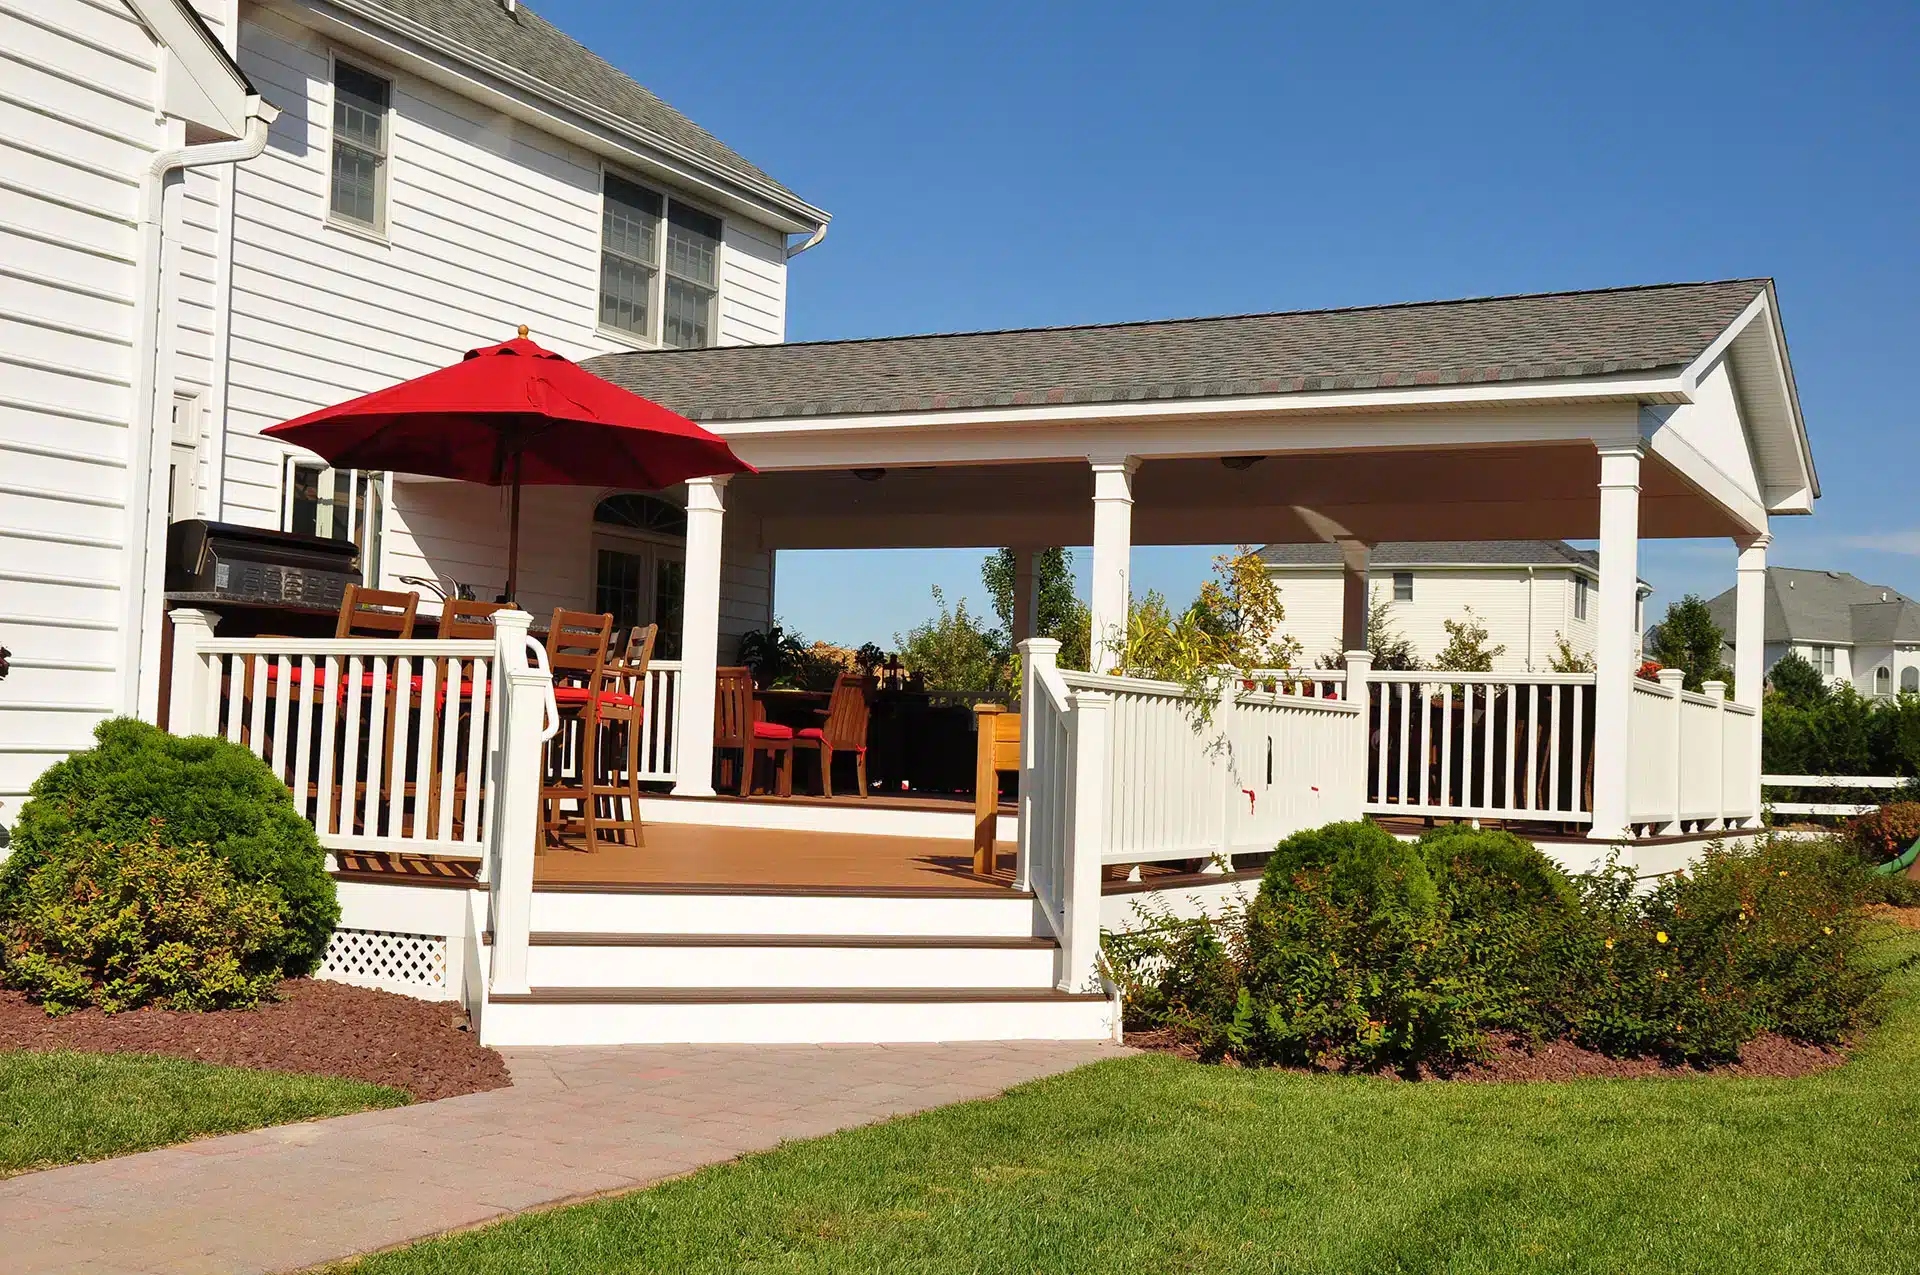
x=1883, y=680
x=1579, y=597
x=659, y=266
x=1821, y=657
x=183, y=458
x=358, y=191
x=1403, y=586
x=337, y=504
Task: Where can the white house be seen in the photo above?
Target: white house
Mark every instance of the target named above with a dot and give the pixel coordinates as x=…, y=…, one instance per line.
x=1860, y=634
x=436, y=173
x=1529, y=594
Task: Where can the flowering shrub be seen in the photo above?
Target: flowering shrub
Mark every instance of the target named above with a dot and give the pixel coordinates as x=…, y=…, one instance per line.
x=1361, y=952
x=143, y=922
x=1883, y=834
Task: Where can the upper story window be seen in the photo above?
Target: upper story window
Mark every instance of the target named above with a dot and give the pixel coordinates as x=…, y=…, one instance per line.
x=659, y=266
x=358, y=194
x=1403, y=586
x=1579, y=597
x=1822, y=658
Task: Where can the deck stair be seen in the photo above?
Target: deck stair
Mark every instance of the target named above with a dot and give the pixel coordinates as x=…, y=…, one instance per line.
x=673, y=964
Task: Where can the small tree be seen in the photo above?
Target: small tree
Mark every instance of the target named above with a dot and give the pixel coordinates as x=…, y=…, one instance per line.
x=1795, y=680
x=1391, y=650
x=954, y=651
x=1689, y=640
x=1466, y=650
x=1567, y=660
x=1059, y=615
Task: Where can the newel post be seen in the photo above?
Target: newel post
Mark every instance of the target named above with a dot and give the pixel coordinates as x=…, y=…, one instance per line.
x=1670, y=680
x=1717, y=692
x=1359, y=667
x=1035, y=654
x=1088, y=729
x=516, y=800
x=187, y=696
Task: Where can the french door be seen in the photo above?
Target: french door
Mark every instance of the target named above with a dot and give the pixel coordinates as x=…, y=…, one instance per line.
x=641, y=581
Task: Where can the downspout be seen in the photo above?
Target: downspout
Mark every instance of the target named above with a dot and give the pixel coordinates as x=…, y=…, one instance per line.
x=145, y=538
x=812, y=241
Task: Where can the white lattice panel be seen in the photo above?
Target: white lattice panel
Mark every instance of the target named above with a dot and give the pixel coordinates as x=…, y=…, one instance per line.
x=412, y=964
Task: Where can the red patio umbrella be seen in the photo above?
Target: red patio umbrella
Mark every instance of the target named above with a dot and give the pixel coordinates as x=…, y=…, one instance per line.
x=512, y=414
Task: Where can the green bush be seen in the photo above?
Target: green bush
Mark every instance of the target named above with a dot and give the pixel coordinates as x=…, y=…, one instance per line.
x=1361, y=953
x=1363, y=862
x=201, y=791
x=1885, y=833
x=118, y=926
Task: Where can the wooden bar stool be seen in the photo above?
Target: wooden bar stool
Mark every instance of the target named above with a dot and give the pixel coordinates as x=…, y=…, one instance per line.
x=577, y=653
x=615, y=788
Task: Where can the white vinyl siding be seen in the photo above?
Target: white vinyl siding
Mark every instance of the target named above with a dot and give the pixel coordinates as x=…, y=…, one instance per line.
x=78, y=85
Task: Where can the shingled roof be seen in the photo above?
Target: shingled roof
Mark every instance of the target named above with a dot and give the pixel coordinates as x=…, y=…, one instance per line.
x=526, y=42
x=1492, y=339
x=1829, y=607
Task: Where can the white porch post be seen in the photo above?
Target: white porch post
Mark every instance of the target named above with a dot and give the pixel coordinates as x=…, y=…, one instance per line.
x=1750, y=646
x=1359, y=665
x=1112, y=554
x=186, y=698
x=1026, y=596
x=699, y=637
x=1750, y=619
x=1353, y=594
x=1615, y=641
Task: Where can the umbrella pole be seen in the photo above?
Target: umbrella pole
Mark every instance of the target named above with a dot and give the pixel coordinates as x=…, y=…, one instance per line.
x=513, y=533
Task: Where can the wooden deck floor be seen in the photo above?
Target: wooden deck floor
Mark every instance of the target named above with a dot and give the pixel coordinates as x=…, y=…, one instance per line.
x=697, y=855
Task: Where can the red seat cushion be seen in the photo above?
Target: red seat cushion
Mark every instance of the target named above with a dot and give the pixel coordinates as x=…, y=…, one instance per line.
x=819, y=736
x=573, y=695
x=771, y=730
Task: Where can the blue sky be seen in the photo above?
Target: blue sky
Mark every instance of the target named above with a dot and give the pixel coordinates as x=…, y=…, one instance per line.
x=1005, y=165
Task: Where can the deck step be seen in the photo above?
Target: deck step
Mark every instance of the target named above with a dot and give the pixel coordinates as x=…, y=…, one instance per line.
x=800, y=961
x=606, y=910
x=789, y=1015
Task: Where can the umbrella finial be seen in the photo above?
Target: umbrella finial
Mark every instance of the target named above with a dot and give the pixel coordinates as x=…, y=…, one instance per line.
x=523, y=331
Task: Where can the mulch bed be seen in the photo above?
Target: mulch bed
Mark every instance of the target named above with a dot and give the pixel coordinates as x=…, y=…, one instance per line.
x=1513, y=1062
x=315, y=1027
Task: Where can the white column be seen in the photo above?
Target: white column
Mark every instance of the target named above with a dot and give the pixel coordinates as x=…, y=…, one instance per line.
x=699, y=637
x=187, y=696
x=1035, y=654
x=1112, y=555
x=1353, y=594
x=516, y=802
x=1026, y=595
x=1359, y=665
x=1750, y=619
x=1614, y=643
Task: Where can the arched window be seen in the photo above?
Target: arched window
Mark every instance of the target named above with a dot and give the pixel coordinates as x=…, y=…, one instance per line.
x=1910, y=678
x=642, y=513
x=1883, y=680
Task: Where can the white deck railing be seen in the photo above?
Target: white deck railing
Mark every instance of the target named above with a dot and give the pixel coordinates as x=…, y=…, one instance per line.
x=1481, y=745
x=1695, y=758
x=660, y=722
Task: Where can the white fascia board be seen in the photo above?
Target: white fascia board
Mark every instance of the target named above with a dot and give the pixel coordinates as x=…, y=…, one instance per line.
x=1804, y=486
x=203, y=86
x=474, y=75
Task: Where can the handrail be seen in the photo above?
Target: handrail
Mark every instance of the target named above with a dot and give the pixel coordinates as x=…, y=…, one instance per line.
x=453, y=648
x=549, y=705
x=1054, y=683
x=1520, y=678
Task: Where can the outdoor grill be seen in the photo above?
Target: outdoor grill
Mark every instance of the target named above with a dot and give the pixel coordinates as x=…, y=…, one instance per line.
x=227, y=562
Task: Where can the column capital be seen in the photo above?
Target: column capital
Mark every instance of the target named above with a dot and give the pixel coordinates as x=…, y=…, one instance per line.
x=1637, y=448
x=1114, y=464
x=708, y=494
x=1758, y=540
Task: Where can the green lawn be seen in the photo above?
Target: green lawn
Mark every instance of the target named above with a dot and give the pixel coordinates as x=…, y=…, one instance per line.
x=63, y=1108
x=1152, y=1164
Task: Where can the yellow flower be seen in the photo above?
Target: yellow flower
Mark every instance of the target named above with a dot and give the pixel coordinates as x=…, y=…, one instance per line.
x=1660, y=936
x=1609, y=945
x=1659, y=973
x=1783, y=872
x=1826, y=929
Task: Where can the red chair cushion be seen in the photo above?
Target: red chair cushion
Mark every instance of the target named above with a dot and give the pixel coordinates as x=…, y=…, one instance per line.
x=819, y=736
x=572, y=695
x=771, y=730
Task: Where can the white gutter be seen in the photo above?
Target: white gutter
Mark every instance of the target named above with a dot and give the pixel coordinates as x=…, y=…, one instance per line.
x=146, y=536
x=812, y=241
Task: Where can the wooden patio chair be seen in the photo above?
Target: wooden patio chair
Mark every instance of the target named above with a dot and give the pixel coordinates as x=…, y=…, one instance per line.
x=737, y=728
x=577, y=653
x=375, y=613
x=614, y=787
x=844, y=730
x=996, y=749
x=464, y=620
x=461, y=620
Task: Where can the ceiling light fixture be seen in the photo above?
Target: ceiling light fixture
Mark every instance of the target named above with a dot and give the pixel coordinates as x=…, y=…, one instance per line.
x=869, y=475
x=1241, y=462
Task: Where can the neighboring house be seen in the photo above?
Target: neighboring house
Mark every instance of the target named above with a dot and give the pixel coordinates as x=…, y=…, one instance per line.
x=439, y=172
x=1528, y=594
x=1866, y=635
x=120, y=121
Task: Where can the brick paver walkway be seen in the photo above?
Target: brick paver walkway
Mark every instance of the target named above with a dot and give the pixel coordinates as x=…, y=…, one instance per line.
x=575, y=1122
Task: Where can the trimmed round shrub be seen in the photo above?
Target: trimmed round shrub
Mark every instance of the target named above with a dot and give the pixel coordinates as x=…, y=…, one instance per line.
x=1362, y=863
x=1484, y=871
x=118, y=926
x=198, y=790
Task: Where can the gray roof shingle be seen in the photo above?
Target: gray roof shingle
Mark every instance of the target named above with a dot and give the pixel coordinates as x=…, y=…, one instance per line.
x=1827, y=607
x=528, y=43
x=1429, y=553
x=1521, y=338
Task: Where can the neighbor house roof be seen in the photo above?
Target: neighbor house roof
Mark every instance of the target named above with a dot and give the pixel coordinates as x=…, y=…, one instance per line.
x=527, y=43
x=1441, y=553
x=1828, y=607
x=1492, y=339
